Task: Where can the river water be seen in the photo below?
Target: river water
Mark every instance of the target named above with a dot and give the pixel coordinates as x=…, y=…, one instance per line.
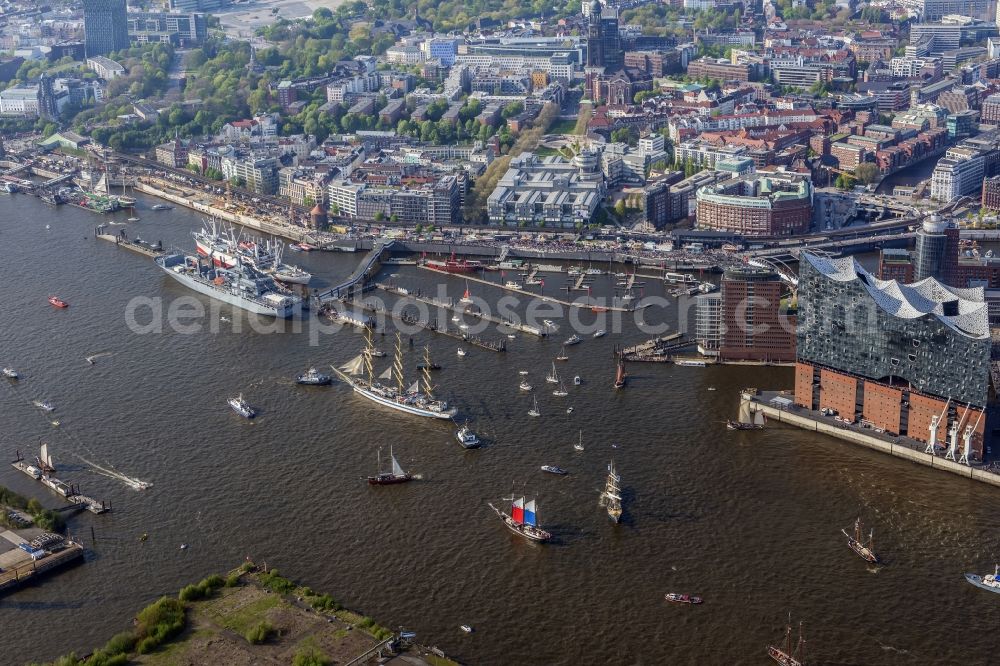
x=750, y=521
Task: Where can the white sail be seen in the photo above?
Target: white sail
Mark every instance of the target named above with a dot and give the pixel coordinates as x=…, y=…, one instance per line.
x=414, y=387
x=355, y=366
x=387, y=374
x=396, y=469
x=744, y=416
x=51, y=463
x=43, y=454
x=758, y=417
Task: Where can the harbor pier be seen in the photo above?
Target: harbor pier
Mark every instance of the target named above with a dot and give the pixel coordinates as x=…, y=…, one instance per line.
x=461, y=310
x=23, y=568
x=776, y=406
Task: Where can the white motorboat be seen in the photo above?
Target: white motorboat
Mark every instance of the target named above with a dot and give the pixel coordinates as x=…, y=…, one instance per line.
x=525, y=386
x=577, y=381
x=242, y=407
x=600, y=334
x=11, y=373
x=462, y=352
x=467, y=438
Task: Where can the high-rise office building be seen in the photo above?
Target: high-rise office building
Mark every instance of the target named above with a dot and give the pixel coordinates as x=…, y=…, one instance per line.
x=936, y=253
x=604, y=47
x=105, y=23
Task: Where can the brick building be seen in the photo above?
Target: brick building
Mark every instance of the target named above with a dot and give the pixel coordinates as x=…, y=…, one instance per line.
x=772, y=205
x=754, y=323
x=900, y=358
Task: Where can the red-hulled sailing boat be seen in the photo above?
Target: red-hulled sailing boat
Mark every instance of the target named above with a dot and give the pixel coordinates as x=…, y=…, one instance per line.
x=620, y=375
x=58, y=302
x=785, y=656
x=523, y=519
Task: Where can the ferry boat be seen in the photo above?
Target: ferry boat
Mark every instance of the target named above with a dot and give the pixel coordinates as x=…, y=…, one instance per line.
x=611, y=496
x=552, y=469
x=452, y=265
x=242, y=407
x=523, y=519
x=864, y=551
x=681, y=598
x=359, y=374
x=989, y=582
x=58, y=302
x=312, y=377
x=573, y=340
x=784, y=655
x=10, y=373
x=687, y=363
x=397, y=475
x=241, y=285
x=467, y=438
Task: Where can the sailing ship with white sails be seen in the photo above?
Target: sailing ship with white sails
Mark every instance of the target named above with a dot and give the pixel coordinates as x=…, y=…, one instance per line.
x=397, y=475
x=611, y=496
x=359, y=373
x=746, y=420
x=523, y=519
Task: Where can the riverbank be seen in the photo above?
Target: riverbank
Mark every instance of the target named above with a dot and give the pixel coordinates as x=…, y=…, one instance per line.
x=254, y=615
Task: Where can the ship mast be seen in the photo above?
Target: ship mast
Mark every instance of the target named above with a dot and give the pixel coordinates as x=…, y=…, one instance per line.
x=800, y=649
x=427, y=373
x=369, y=352
x=397, y=363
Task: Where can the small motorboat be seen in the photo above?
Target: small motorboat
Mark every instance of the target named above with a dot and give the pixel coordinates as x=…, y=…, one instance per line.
x=552, y=469
x=132, y=219
x=374, y=353
x=466, y=628
x=522, y=372
x=58, y=302
x=313, y=377
x=456, y=319
x=681, y=598
x=989, y=582
x=11, y=373
x=600, y=334
x=462, y=352
x=525, y=386
x=577, y=381
x=467, y=438
x=573, y=340
x=225, y=320
x=161, y=207
x=511, y=336
x=242, y=407
x=710, y=388
x=44, y=405
x=569, y=410
x=429, y=366
x=184, y=546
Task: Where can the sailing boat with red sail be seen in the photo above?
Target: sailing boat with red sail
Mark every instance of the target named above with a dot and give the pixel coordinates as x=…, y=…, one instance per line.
x=523, y=519
x=467, y=296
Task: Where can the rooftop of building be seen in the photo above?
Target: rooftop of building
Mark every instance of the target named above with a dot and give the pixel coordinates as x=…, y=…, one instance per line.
x=962, y=310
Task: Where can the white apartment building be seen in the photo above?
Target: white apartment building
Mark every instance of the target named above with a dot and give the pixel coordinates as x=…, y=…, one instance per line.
x=960, y=172
x=20, y=101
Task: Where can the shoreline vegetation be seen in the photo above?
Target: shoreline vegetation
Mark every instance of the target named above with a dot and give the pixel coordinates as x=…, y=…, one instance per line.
x=253, y=614
x=47, y=519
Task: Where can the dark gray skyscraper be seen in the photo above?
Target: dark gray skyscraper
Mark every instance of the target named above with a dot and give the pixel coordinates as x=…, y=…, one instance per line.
x=106, y=25
x=936, y=253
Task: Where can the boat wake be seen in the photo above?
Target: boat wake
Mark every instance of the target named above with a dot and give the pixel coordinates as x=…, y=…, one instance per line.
x=93, y=357
x=130, y=481
x=890, y=648
x=418, y=477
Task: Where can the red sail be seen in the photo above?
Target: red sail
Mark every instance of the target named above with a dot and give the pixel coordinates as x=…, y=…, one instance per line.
x=517, y=511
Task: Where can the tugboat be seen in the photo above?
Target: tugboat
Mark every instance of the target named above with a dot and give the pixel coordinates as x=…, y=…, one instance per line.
x=242, y=407
x=989, y=582
x=785, y=656
x=864, y=551
x=313, y=377
x=11, y=373
x=681, y=598
x=523, y=519
x=397, y=475
x=58, y=302
x=467, y=438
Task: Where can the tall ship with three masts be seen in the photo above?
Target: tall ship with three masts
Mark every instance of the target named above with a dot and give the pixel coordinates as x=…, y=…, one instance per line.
x=611, y=496
x=523, y=519
x=359, y=373
x=784, y=654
